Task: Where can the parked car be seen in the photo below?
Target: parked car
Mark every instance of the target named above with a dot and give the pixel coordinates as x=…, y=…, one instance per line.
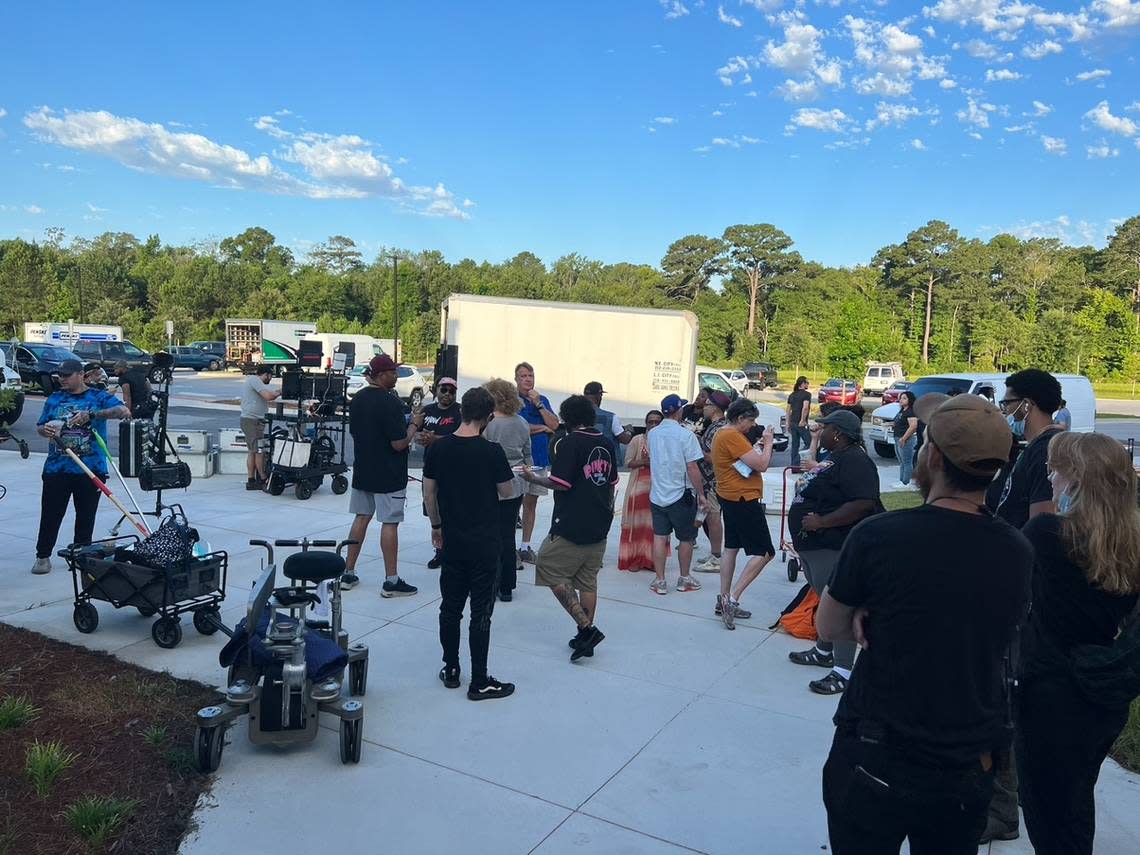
x=892, y=392
x=188, y=356
x=715, y=379
x=880, y=375
x=761, y=375
x=37, y=364
x=110, y=353
x=737, y=379
x=843, y=392
x=410, y=384
x=217, y=348
x=1075, y=389
x=10, y=384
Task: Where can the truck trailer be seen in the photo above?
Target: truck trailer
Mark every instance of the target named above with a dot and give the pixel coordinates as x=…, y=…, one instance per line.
x=66, y=333
x=638, y=355
x=271, y=342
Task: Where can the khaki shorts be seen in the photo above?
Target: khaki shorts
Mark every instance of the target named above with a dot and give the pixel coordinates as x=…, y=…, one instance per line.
x=253, y=430
x=713, y=502
x=530, y=489
x=561, y=562
x=386, y=507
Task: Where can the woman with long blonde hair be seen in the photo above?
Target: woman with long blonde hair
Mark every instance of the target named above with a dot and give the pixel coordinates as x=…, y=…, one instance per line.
x=1085, y=583
x=511, y=431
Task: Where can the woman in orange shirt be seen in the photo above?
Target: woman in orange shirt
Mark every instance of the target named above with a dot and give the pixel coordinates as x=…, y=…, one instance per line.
x=739, y=487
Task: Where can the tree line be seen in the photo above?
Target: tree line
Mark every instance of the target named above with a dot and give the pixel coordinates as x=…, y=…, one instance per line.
x=935, y=301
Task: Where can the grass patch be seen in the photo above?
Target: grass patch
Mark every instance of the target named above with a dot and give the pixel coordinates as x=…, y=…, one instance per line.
x=46, y=761
x=16, y=712
x=94, y=818
x=1126, y=751
x=154, y=735
x=901, y=500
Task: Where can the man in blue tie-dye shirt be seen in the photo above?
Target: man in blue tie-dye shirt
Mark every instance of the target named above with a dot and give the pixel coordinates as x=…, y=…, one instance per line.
x=69, y=419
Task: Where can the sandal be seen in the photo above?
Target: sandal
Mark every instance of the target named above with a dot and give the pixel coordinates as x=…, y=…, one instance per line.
x=813, y=657
x=832, y=684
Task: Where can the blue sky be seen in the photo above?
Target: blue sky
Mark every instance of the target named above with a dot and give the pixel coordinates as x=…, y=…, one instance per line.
x=604, y=128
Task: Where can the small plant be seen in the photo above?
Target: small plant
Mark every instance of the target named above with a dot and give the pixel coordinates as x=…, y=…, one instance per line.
x=94, y=817
x=154, y=735
x=46, y=762
x=179, y=760
x=16, y=712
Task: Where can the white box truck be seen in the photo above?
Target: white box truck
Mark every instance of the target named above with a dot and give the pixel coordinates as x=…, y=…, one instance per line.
x=271, y=342
x=638, y=355
x=365, y=346
x=66, y=334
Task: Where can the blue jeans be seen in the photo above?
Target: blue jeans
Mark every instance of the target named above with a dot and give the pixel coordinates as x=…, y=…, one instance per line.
x=801, y=438
x=905, y=452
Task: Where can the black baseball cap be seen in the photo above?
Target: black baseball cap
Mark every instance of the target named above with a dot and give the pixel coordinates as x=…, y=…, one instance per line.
x=593, y=388
x=69, y=367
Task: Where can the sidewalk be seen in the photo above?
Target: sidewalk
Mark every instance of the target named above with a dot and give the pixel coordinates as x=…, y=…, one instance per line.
x=676, y=736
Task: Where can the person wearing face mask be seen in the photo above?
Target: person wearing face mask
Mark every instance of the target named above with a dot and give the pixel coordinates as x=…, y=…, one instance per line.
x=1086, y=579
x=1031, y=397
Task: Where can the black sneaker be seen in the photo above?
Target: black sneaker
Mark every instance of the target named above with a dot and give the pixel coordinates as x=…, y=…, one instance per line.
x=589, y=638
x=573, y=642
x=253, y=484
x=436, y=561
x=449, y=674
x=399, y=588
x=488, y=689
x=506, y=596
x=348, y=581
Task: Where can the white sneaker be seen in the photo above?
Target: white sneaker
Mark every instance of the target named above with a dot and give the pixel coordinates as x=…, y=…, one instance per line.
x=710, y=564
x=688, y=583
x=899, y=485
x=42, y=566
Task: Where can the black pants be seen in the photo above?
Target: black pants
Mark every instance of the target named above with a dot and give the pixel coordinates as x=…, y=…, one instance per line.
x=460, y=579
x=1062, y=741
x=57, y=491
x=508, y=556
x=876, y=798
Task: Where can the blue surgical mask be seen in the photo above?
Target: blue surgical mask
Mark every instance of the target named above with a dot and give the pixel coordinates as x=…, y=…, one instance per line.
x=1064, y=502
x=1017, y=426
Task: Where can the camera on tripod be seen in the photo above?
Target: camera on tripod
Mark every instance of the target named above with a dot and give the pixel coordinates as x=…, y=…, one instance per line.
x=143, y=442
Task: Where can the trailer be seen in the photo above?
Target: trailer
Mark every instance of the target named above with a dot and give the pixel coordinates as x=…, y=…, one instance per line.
x=250, y=341
x=638, y=355
x=65, y=334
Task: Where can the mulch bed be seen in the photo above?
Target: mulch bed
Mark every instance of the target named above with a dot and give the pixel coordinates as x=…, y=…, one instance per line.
x=100, y=708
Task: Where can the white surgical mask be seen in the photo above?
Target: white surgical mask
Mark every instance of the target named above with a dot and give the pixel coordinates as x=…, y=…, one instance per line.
x=1017, y=426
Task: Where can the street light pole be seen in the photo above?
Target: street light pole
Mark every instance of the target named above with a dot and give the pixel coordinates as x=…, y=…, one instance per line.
x=395, y=305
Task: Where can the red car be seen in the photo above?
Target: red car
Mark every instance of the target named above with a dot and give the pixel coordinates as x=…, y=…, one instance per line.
x=842, y=392
x=891, y=393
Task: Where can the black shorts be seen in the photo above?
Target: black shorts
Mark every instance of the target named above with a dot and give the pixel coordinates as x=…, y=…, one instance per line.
x=679, y=517
x=746, y=527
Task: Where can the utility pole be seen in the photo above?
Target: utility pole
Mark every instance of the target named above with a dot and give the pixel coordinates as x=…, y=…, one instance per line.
x=395, y=305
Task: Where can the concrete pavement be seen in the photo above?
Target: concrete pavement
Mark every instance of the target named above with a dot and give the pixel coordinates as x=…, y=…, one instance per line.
x=677, y=736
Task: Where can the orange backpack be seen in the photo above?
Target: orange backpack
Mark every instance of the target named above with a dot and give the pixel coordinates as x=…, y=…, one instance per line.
x=798, y=617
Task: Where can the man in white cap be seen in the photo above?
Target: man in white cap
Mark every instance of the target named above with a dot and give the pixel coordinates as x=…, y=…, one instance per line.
x=934, y=596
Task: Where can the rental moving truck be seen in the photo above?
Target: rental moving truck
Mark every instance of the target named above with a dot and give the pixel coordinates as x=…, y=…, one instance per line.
x=638, y=355
x=270, y=342
x=66, y=334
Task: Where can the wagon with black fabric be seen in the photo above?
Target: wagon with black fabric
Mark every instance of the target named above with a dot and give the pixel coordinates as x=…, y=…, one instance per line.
x=160, y=576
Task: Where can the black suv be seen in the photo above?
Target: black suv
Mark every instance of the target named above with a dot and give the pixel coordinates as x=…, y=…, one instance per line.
x=110, y=353
x=37, y=363
x=761, y=375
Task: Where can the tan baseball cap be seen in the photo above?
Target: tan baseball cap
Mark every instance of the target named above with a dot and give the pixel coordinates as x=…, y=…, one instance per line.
x=968, y=429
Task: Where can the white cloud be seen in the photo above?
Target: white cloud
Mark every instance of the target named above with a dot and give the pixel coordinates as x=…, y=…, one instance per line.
x=1040, y=50
x=829, y=121
x=798, y=53
x=3, y=112
x=1133, y=107
x=1054, y=145
x=1001, y=74
x=1061, y=227
x=976, y=114
x=763, y=5
x=1095, y=74
x=917, y=144
x=899, y=41
x=1102, y=117
x=1118, y=13
x=891, y=55
x=881, y=84
x=991, y=15
x=95, y=209
x=948, y=83
x=979, y=49
x=665, y=120
x=33, y=209
x=887, y=114
x=1101, y=152
x=1017, y=129
x=674, y=9
x=974, y=135
x=735, y=65
x=1040, y=109
x=717, y=113
x=1078, y=23
x=332, y=167
x=797, y=91
x=726, y=18
x=735, y=141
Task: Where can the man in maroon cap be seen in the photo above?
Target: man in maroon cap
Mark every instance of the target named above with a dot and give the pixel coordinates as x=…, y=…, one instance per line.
x=380, y=436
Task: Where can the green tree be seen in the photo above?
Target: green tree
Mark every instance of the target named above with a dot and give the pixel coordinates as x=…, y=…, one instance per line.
x=1122, y=263
x=689, y=264
x=336, y=255
x=761, y=253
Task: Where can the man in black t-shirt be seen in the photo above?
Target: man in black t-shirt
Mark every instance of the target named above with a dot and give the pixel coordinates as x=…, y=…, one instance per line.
x=583, y=477
x=380, y=439
x=1031, y=397
x=934, y=596
x=438, y=419
x=693, y=415
x=134, y=387
x=464, y=477
x=799, y=406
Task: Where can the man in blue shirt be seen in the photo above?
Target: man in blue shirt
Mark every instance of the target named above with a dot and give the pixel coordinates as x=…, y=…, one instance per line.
x=536, y=411
x=69, y=419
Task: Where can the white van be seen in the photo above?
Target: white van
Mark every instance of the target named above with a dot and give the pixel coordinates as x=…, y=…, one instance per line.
x=879, y=376
x=1075, y=389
